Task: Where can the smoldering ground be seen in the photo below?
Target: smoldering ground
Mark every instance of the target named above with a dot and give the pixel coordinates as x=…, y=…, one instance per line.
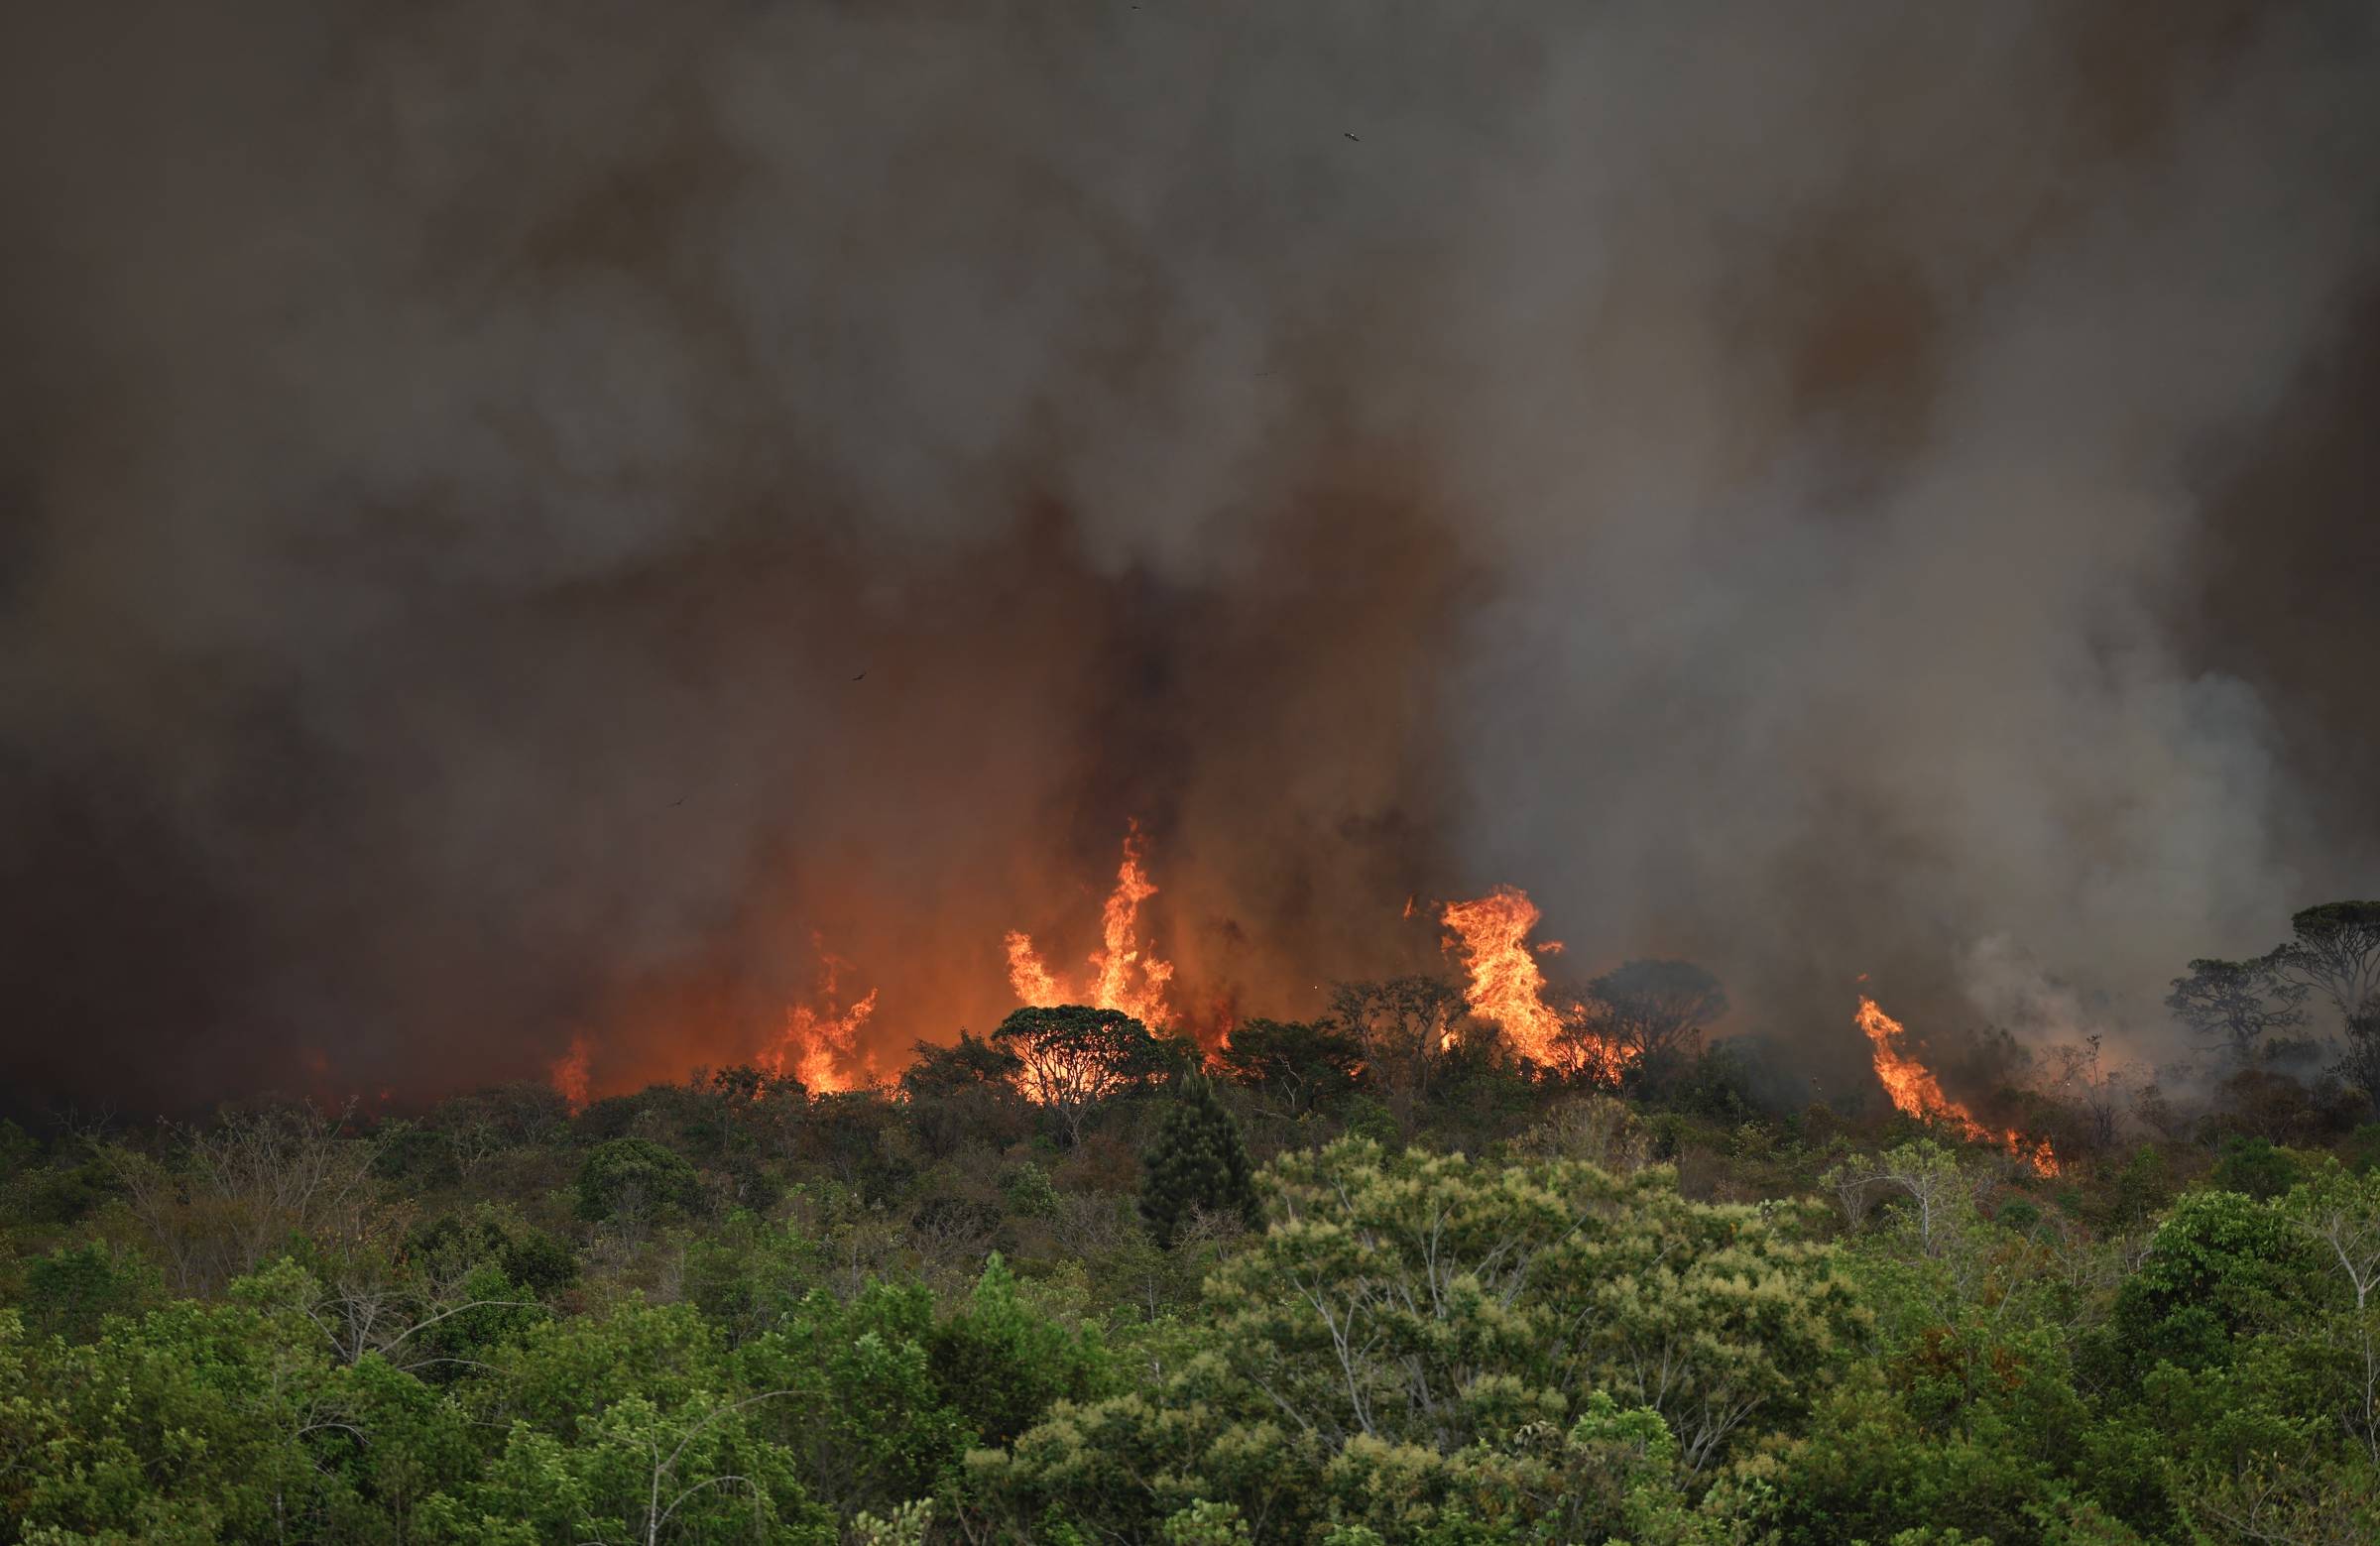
x=523, y=517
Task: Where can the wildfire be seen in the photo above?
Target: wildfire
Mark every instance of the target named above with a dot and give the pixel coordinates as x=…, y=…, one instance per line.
x=1507, y=987
x=570, y=1075
x=1917, y=1093
x=820, y=1046
x=1124, y=974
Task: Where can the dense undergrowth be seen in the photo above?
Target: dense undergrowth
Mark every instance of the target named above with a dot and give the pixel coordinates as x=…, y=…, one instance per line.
x=1286, y=1305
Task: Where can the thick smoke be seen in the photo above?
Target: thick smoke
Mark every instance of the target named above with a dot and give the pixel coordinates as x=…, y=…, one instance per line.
x=531, y=519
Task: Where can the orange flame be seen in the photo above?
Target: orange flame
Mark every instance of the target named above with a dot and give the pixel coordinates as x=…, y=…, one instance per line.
x=570, y=1075
x=1111, y=984
x=820, y=1046
x=1507, y=987
x=1917, y=1093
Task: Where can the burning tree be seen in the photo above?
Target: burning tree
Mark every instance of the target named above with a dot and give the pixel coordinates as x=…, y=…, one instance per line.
x=1650, y=1011
x=1915, y=1092
x=1402, y=1024
x=1506, y=988
x=1073, y=1056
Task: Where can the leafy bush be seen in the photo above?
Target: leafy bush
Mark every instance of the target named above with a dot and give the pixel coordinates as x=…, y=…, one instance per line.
x=635, y=1178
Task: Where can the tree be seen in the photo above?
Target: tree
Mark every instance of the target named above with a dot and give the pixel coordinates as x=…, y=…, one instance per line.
x=630, y=1426
x=1403, y=1025
x=1072, y=1057
x=2338, y=1214
x=1417, y=1341
x=1392, y=1285
x=634, y=1178
x=1197, y=1162
x=70, y=1292
x=242, y=1187
x=2335, y=951
x=1653, y=1009
x=2234, y=1004
x=964, y=1094
x=1301, y=1063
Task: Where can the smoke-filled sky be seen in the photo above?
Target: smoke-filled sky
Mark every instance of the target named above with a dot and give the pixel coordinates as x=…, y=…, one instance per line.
x=528, y=519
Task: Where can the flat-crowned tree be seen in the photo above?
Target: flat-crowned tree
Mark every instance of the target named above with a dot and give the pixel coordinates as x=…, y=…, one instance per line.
x=1071, y=1057
x=2334, y=950
x=2234, y=1004
x=1196, y=1161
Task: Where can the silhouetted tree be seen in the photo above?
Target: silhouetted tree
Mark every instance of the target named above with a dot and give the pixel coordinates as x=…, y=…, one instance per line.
x=1655, y=1010
x=1196, y=1161
x=2335, y=952
x=2234, y=1004
x=965, y=1093
x=1299, y=1062
x=1073, y=1057
x=1402, y=1025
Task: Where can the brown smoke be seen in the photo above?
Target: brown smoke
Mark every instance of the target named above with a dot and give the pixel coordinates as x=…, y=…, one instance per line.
x=524, y=516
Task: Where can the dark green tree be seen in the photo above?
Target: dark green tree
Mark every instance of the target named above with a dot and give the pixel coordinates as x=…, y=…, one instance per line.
x=1297, y=1063
x=1403, y=1025
x=1197, y=1162
x=632, y=1179
x=965, y=1094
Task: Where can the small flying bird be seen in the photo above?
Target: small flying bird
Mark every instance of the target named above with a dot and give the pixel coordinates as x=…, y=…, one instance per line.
x=1351, y=137
x=861, y=675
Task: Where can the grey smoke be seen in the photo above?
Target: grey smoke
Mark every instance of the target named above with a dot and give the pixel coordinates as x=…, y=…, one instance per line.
x=1772, y=481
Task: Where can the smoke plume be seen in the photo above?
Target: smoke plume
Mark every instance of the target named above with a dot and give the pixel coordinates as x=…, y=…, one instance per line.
x=531, y=520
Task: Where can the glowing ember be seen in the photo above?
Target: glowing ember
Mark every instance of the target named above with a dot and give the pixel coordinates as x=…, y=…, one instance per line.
x=570, y=1075
x=1506, y=987
x=820, y=1046
x=1119, y=959
x=1917, y=1093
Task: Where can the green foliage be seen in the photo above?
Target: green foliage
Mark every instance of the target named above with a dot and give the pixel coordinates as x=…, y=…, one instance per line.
x=1001, y=1365
x=497, y=1326
x=2219, y=1267
x=634, y=1179
x=1028, y=1192
x=2255, y=1168
x=1432, y=1350
x=1299, y=1064
x=1196, y=1162
x=71, y=1291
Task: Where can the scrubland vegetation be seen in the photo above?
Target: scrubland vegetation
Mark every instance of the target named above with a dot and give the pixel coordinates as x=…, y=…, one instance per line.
x=1315, y=1293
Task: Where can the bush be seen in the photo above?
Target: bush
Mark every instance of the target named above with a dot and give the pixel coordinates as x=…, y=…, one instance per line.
x=70, y=1292
x=634, y=1179
x=2255, y=1168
